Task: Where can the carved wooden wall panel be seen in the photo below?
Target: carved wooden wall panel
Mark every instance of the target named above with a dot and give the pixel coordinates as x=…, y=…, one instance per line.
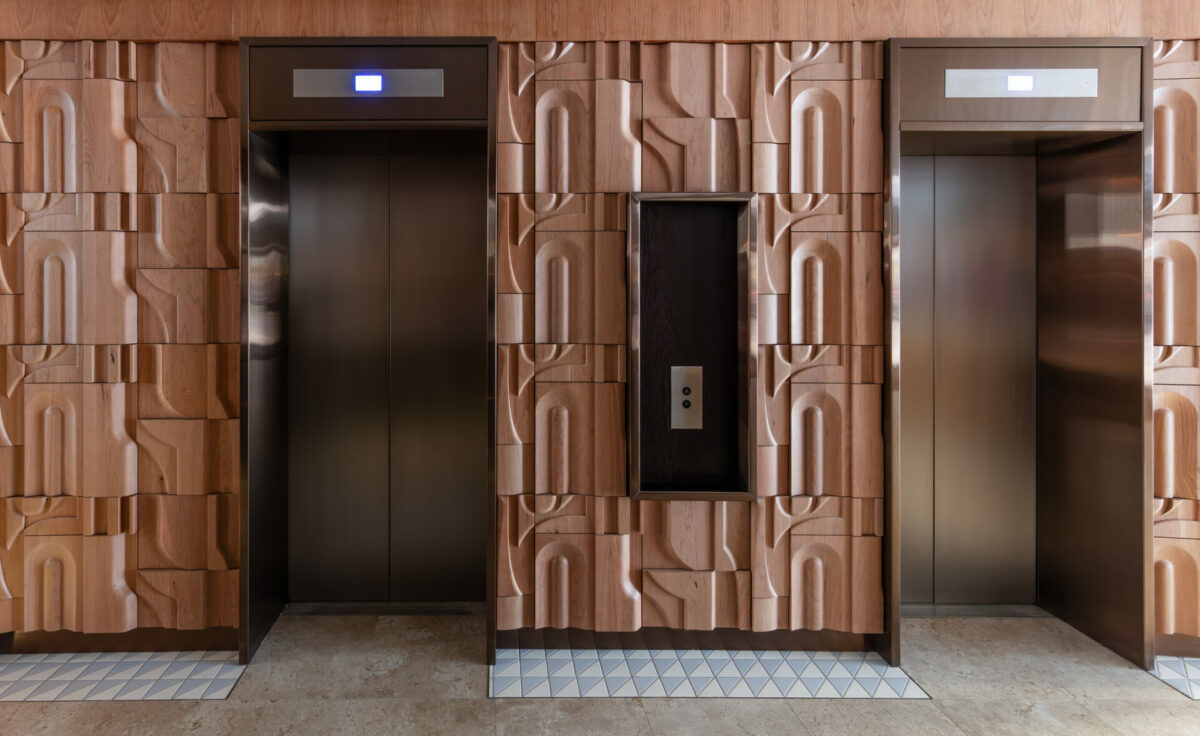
x=118, y=279
x=581, y=126
x=1176, y=336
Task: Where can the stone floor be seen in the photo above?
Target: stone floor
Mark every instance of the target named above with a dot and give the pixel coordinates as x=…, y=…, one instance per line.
x=365, y=675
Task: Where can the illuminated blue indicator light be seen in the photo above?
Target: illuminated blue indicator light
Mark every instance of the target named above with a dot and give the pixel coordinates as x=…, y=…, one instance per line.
x=368, y=82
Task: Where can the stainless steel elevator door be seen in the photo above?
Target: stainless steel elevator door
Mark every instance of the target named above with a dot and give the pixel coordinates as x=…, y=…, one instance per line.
x=338, y=377
x=439, y=370
x=985, y=379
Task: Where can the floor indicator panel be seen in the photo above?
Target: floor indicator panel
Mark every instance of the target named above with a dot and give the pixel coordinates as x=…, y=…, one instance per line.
x=118, y=676
x=695, y=673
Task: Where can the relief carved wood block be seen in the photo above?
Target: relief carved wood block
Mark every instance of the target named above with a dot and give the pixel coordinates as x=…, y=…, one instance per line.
x=1177, y=586
x=579, y=287
x=832, y=293
x=84, y=211
x=514, y=244
x=829, y=443
x=837, y=60
x=188, y=305
x=78, y=583
x=187, y=230
x=187, y=599
x=1177, y=136
x=696, y=80
x=78, y=288
x=1176, y=212
x=1177, y=518
x=188, y=532
x=71, y=59
x=1176, y=282
x=514, y=318
x=588, y=136
x=834, y=144
x=34, y=364
x=515, y=91
x=188, y=381
x=580, y=438
x=78, y=439
x=588, y=581
x=779, y=366
x=10, y=167
x=779, y=214
x=588, y=60
x=1176, y=441
x=187, y=80
x=696, y=155
x=515, y=167
x=1176, y=59
x=696, y=599
x=695, y=535
x=836, y=583
x=570, y=212
x=78, y=136
x=187, y=456
x=1176, y=365
x=187, y=155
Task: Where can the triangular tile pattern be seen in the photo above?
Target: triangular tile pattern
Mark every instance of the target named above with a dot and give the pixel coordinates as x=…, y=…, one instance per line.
x=696, y=673
x=1181, y=673
x=119, y=676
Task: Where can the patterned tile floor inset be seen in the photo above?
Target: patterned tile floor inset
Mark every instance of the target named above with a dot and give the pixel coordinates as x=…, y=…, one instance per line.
x=118, y=676
x=1181, y=673
x=695, y=673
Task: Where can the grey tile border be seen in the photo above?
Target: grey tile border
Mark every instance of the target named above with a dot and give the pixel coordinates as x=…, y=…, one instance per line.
x=118, y=676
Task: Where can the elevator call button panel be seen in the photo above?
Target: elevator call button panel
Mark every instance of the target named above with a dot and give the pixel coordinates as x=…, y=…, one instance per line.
x=687, y=397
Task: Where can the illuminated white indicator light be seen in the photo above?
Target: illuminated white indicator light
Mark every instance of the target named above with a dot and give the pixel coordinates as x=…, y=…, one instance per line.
x=368, y=82
x=1020, y=82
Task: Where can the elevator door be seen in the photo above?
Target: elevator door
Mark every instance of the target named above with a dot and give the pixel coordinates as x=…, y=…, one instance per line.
x=387, y=368
x=972, y=527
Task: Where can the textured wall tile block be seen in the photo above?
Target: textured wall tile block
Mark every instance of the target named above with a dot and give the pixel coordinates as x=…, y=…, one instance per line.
x=11, y=99
x=11, y=161
x=187, y=230
x=568, y=212
x=770, y=546
x=46, y=59
x=696, y=600
x=573, y=363
x=79, y=136
x=588, y=60
x=515, y=545
x=1176, y=212
x=221, y=80
x=1176, y=136
x=845, y=60
x=833, y=287
x=1177, y=518
x=77, y=584
x=779, y=366
x=588, y=136
x=564, y=580
x=515, y=89
x=696, y=80
x=515, y=469
x=837, y=583
x=187, y=155
x=79, y=288
x=188, y=532
x=568, y=514
x=579, y=287
x=514, y=612
x=514, y=395
x=188, y=381
x=769, y=168
x=1176, y=59
x=833, y=515
x=187, y=599
x=514, y=167
x=779, y=214
x=835, y=442
x=695, y=535
x=187, y=456
x=188, y=305
x=514, y=318
x=78, y=440
x=580, y=438
x=10, y=318
x=1176, y=441
x=836, y=138
x=69, y=364
x=1176, y=365
x=618, y=576
x=83, y=211
x=514, y=244
x=1176, y=282
x=696, y=155
x=171, y=80
x=770, y=71
x=1177, y=586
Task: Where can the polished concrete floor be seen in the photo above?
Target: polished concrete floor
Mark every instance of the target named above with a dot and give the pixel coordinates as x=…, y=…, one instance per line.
x=365, y=675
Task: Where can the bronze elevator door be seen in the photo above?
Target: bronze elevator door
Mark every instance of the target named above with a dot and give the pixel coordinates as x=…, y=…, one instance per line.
x=387, y=330
x=969, y=526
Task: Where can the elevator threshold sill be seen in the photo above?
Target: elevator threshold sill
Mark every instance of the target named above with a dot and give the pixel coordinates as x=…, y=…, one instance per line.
x=971, y=610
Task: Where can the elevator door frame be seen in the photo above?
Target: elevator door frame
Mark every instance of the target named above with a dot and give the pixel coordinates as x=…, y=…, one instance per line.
x=264, y=284
x=893, y=419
